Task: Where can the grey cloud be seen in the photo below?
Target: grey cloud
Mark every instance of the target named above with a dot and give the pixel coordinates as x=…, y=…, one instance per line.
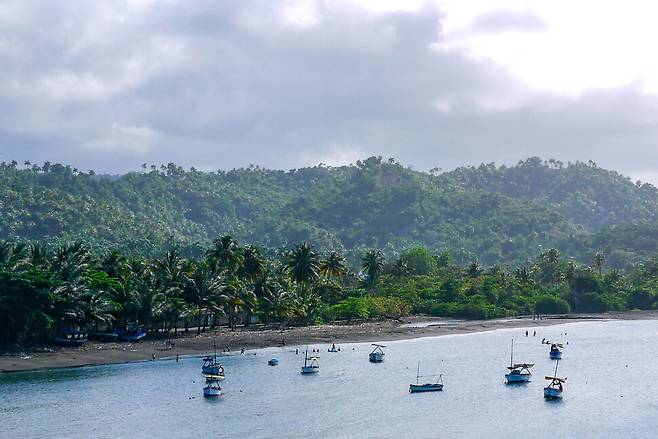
x=212, y=86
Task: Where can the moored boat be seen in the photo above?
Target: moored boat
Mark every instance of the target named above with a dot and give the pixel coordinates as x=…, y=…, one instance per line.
x=555, y=353
x=377, y=354
x=311, y=364
x=518, y=372
x=71, y=337
x=554, y=389
x=212, y=389
x=273, y=362
x=210, y=365
x=427, y=387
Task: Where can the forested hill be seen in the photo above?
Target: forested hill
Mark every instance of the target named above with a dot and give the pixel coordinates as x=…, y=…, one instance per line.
x=493, y=214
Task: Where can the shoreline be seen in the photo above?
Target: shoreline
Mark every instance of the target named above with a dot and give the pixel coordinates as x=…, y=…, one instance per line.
x=96, y=353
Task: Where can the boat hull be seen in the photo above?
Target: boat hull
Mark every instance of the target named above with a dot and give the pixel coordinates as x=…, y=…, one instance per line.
x=555, y=355
x=551, y=393
x=211, y=392
x=418, y=388
x=273, y=362
x=210, y=370
x=310, y=369
x=517, y=378
x=376, y=357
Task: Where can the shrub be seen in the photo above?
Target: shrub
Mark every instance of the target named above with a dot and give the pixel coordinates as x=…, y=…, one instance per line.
x=551, y=305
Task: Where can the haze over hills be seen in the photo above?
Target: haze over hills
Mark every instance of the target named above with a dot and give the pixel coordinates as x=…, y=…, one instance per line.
x=490, y=213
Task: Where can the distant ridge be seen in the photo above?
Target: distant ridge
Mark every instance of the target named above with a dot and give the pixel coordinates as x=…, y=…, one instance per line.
x=496, y=214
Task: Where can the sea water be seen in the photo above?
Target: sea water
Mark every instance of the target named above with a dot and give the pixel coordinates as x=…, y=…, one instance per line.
x=611, y=391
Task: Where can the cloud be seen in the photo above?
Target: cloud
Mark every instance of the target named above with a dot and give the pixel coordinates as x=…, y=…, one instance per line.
x=509, y=21
x=212, y=85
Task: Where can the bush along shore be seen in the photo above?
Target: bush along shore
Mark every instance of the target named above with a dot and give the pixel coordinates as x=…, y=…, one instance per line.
x=49, y=292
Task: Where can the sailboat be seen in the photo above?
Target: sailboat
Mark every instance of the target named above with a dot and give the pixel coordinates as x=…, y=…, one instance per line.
x=555, y=352
x=311, y=364
x=211, y=366
x=212, y=389
x=554, y=388
x=519, y=372
x=377, y=354
x=427, y=387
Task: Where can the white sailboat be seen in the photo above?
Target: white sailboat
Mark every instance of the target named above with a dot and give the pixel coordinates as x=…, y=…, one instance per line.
x=212, y=389
x=427, y=387
x=554, y=388
x=211, y=366
x=377, y=354
x=519, y=372
x=311, y=364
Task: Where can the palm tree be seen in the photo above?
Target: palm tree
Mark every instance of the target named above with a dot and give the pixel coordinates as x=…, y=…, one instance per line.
x=204, y=288
x=225, y=254
x=333, y=266
x=551, y=256
x=372, y=265
x=239, y=299
x=253, y=263
x=474, y=270
x=599, y=259
x=303, y=264
x=523, y=276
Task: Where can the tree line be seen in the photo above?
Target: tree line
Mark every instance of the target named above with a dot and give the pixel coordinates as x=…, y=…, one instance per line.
x=45, y=289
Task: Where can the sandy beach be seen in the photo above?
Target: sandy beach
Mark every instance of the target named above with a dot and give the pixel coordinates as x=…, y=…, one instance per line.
x=185, y=344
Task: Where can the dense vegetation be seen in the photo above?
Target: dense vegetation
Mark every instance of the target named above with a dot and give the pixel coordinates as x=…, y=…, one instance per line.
x=496, y=215
x=44, y=290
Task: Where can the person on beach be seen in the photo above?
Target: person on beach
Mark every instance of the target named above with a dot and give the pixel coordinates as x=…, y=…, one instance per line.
x=176, y=358
x=534, y=333
x=526, y=333
x=242, y=351
x=152, y=357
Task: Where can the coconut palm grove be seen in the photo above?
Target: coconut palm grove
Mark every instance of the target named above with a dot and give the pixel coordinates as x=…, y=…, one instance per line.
x=188, y=250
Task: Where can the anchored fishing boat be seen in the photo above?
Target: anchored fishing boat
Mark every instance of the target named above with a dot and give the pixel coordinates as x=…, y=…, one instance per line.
x=210, y=365
x=555, y=353
x=427, y=387
x=554, y=388
x=311, y=364
x=519, y=372
x=377, y=354
x=212, y=389
x=273, y=362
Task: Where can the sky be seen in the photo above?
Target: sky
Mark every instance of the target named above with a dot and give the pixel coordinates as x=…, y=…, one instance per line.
x=216, y=85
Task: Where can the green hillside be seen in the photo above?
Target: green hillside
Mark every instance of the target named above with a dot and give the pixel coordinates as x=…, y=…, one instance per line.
x=493, y=214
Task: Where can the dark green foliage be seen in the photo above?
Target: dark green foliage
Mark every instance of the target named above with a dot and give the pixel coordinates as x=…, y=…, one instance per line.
x=490, y=214
x=546, y=304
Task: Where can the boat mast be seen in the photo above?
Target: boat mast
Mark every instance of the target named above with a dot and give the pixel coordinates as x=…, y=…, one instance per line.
x=418, y=373
x=556, y=363
x=511, y=356
x=214, y=346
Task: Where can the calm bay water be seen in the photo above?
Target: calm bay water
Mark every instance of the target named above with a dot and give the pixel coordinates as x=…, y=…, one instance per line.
x=611, y=391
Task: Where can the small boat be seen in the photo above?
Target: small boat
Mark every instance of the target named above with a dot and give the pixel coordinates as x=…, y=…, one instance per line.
x=554, y=388
x=273, y=362
x=519, y=372
x=71, y=337
x=377, y=354
x=219, y=377
x=333, y=348
x=104, y=336
x=212, y=389
x=133, y=334
x=427, y=387
x=210, y=365
x=311, y=364
x=555, y=352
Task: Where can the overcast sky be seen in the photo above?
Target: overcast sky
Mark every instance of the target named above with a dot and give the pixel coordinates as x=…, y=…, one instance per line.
x=110, y=85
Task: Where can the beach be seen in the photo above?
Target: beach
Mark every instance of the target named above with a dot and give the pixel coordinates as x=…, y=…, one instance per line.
x=189, y=344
